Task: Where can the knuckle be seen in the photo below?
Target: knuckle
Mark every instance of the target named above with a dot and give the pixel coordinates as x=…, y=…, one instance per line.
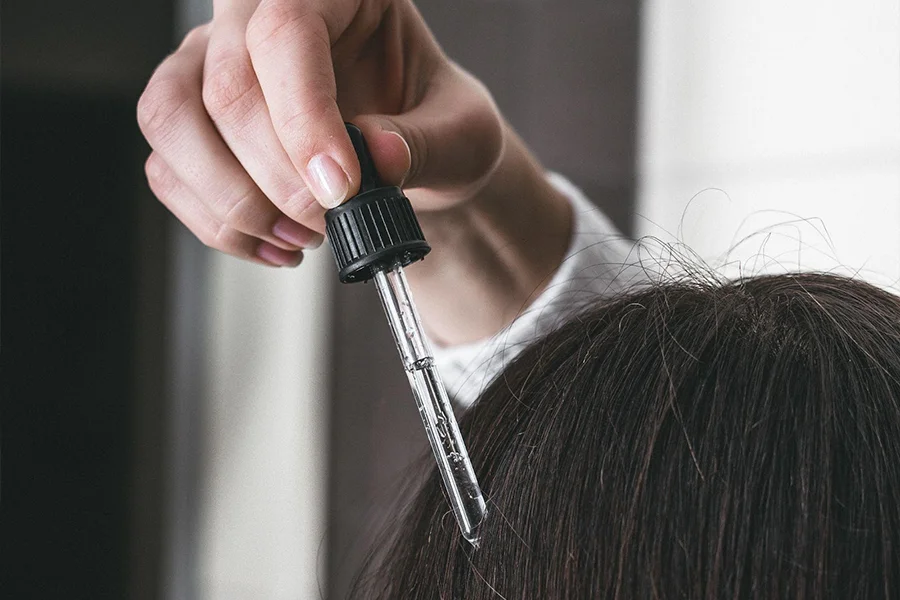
x=297, y=129
x=215, y=235
x=160, y=106
x=295, y=124
x=200, y=31
x=159, y=177
x=222, y=237
x=270, y=21
x=153, y=168
x=229, y=89
x=241, y=211
x=300, y=205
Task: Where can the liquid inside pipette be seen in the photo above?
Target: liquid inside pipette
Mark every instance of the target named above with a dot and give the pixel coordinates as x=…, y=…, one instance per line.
x=457, y=473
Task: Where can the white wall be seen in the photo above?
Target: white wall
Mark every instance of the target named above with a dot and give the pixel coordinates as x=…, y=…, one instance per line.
x=787, y=107
x=262, y=524
x=248, y=438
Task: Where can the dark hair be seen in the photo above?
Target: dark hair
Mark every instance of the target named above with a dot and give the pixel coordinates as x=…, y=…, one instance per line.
x=688, y=440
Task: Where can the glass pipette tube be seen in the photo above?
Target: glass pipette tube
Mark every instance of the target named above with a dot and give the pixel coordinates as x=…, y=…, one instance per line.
x=434, y=406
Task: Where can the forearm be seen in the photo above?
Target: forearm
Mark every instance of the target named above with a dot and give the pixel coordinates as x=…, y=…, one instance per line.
x=494, y=254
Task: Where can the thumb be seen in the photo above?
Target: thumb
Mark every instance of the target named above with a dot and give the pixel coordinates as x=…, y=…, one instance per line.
x=450, y=142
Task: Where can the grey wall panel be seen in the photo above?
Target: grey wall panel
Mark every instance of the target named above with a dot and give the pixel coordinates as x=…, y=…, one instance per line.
x=565, y=75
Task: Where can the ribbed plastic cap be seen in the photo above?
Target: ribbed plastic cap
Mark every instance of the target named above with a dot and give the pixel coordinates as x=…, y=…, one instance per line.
x=376, y=229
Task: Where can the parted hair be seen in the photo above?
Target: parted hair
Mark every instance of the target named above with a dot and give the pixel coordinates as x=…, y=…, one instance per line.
x=686, y=440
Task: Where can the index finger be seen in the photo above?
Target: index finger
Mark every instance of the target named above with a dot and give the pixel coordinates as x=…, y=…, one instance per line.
x=290, y=48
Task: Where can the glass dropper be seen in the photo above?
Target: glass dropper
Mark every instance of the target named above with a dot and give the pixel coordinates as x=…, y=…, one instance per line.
x=373, y=236
x=434, y=407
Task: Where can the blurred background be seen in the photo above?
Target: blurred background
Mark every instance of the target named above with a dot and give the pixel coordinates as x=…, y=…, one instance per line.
x=176, y=424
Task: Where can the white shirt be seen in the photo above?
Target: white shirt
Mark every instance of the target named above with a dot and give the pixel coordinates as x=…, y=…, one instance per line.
x=596, y=265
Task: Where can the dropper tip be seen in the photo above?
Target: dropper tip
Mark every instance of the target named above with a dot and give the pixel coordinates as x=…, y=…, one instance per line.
x=369, y=179
x=472, y=539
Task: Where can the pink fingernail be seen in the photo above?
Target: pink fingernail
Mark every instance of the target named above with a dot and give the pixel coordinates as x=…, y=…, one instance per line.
x=292, y=232
x=327, y=181
x=277, y=256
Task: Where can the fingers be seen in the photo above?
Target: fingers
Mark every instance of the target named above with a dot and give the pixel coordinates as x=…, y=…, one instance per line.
x=208, y=229
x=234, y=101
x=245, y=116
x=290, y=49
x=452, y=140
x=173, y=119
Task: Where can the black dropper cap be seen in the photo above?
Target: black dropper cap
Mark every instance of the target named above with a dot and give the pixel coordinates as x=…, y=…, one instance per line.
x=377, y=228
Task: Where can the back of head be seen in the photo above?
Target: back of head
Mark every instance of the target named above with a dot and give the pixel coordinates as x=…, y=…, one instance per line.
x=686, y=440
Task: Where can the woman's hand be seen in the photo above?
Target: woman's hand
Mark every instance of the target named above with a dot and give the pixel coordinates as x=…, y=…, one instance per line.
x=246, y=120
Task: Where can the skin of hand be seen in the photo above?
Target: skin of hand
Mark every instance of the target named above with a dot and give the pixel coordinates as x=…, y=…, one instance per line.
x=246, y=122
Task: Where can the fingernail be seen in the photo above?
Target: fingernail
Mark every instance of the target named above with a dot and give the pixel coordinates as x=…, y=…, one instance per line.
x=327, y=180
x=288, y=230
x=276, y=256
x=408, y=155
